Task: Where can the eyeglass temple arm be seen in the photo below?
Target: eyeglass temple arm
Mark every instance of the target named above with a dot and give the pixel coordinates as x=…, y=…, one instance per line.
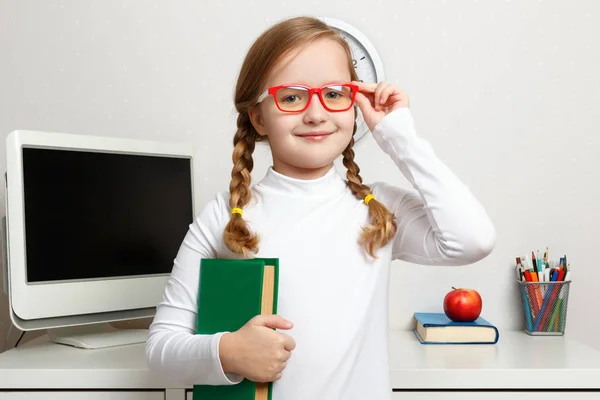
x=262, y=96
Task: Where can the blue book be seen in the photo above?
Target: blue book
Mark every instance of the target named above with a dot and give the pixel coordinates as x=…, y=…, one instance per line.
x=437, y=328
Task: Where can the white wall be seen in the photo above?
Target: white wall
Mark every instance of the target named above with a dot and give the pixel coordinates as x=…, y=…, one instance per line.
x=504, y=90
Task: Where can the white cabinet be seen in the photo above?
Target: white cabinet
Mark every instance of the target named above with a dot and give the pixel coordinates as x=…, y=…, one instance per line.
x=78, y=395
x=518, y=367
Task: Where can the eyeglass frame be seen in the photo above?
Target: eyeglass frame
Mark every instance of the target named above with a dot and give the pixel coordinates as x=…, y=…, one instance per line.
x=319, y=91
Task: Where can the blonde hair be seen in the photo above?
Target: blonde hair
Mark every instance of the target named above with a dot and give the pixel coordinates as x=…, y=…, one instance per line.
x=267, y=50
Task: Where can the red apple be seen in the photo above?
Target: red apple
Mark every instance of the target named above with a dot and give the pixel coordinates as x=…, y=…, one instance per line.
x=462, y=305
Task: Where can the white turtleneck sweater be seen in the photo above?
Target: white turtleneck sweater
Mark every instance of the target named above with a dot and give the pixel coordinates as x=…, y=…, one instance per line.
x=335, y=294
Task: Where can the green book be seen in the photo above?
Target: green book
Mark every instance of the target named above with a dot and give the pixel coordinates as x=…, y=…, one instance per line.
x=231, y=292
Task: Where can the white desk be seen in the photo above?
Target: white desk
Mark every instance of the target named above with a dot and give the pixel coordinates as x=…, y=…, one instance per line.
x=518, y=363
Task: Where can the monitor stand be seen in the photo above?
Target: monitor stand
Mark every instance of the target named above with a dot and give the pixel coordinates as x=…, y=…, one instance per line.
x=97, y=336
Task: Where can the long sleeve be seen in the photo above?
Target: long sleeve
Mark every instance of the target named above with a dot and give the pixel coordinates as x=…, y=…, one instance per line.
x=173, y=349
x=442, y=223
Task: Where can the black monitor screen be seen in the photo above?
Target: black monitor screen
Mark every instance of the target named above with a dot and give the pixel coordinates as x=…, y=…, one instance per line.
x=102, y=215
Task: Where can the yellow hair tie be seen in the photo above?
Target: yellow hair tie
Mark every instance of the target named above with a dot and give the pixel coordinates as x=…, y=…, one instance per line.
x=368, y=199
x=237, y=211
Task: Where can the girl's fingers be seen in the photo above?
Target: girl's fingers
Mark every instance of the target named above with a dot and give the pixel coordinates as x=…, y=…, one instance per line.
x=375, y=90
x=386, y=93
x=382, y=96
x=378, y=91
x=368, y=97
x=363, y=102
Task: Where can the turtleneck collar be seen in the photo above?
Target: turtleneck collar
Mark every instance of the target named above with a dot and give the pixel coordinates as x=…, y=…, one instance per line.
x=329, y=184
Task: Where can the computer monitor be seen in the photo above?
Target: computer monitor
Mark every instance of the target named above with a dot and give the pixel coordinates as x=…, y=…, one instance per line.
x=93, y=225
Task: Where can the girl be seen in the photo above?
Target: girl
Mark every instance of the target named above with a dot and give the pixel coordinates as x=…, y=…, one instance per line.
x=335, y=238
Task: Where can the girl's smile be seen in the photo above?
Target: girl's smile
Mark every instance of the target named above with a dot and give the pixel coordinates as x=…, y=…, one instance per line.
x=315, y=136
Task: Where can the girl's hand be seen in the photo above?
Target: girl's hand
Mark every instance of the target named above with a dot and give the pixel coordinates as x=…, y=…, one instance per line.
x=376, y=100
x=256, y=351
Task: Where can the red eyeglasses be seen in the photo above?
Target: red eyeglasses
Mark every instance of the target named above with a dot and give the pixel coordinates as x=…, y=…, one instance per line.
x=296, y=98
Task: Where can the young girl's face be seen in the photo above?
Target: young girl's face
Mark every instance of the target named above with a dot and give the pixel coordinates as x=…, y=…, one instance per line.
x=305, y=144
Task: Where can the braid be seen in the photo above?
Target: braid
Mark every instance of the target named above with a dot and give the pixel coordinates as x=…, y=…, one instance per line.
x=383, y=225
x=237, y=236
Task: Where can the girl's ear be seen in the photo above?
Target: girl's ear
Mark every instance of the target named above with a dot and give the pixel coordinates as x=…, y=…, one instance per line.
x=256, y=119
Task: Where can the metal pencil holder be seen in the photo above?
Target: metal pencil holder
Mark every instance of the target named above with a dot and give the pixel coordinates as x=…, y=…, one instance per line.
x=545, y=307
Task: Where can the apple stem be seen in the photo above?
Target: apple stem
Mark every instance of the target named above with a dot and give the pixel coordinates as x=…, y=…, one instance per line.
x=453, y=288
